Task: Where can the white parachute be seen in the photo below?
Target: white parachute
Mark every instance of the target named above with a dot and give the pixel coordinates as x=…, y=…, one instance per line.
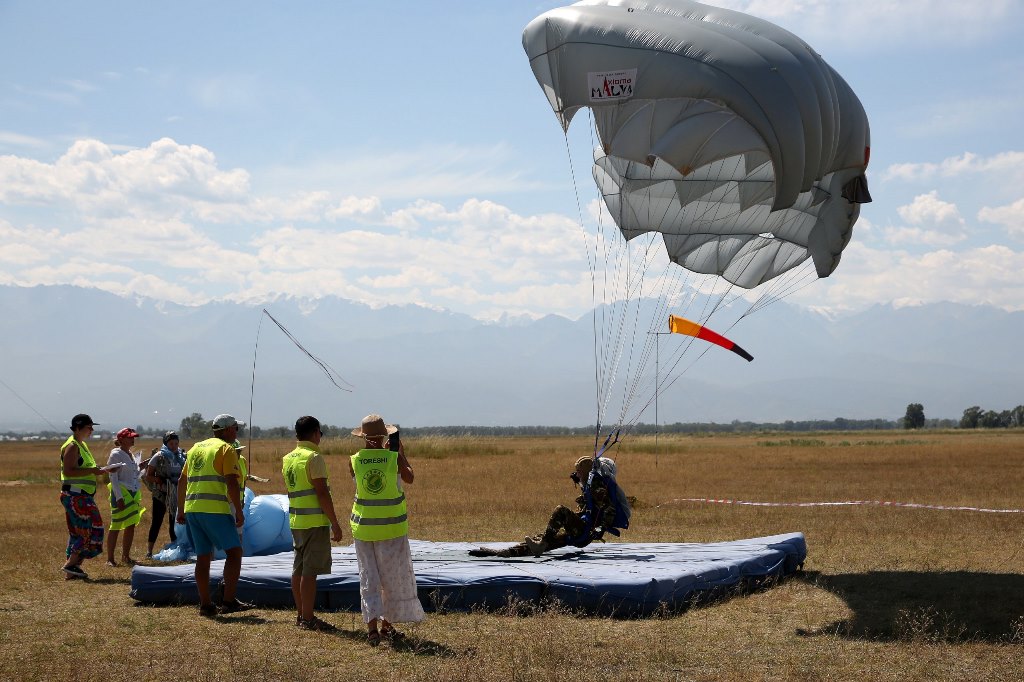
x=725, y=133
x=721, y=135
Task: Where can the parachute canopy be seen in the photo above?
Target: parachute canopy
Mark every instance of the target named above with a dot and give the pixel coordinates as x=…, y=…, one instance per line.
x=680, y=325
x=728, y=135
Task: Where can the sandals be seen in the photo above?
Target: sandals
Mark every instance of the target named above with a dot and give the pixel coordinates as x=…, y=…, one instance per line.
x=392, y=635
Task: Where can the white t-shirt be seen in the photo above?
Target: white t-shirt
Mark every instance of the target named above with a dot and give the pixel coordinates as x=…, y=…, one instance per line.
x=127, y=475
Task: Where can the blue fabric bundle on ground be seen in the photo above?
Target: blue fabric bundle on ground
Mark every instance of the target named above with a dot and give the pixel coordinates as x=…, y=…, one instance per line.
x=265, y=531
x=619, y=579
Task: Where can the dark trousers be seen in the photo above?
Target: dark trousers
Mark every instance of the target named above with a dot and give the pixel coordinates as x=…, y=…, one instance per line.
x=159, y=509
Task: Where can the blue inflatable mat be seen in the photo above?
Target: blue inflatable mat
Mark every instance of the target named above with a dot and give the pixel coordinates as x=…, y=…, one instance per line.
x=621, y=579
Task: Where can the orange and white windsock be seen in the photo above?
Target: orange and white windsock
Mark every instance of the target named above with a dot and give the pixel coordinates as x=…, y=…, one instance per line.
x=680, y=325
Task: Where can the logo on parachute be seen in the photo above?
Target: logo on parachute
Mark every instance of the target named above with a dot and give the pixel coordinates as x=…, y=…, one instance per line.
x=610, y=86
x=373, y=480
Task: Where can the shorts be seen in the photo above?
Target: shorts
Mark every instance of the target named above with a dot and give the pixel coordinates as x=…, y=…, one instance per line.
x=212, y=530
x=312, y=550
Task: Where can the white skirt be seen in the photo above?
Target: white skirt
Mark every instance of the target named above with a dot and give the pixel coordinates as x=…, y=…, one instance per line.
x=387, y=584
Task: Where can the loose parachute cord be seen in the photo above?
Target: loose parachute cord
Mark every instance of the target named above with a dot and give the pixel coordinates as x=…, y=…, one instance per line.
x=332, y=374
x=28, y=405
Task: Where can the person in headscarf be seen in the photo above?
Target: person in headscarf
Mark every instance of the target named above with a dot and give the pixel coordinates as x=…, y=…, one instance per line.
x=161, y=477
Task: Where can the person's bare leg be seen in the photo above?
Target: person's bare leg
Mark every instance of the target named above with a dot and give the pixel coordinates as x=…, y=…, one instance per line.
x=232, y=569
x=111, y=546
x=126, y=548
x=297, y=594
x=203, y=578
x=308, y=590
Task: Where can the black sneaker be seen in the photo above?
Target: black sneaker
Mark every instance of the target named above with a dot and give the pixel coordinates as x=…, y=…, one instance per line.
x=208, y=610
x=75, y=572
x=234, y=606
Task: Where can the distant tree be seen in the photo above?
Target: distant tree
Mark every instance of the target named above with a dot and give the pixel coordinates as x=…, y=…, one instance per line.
x=914, y=418
x=993, y=420
x=1017, y=417
x=971, y=418
x=194, y=427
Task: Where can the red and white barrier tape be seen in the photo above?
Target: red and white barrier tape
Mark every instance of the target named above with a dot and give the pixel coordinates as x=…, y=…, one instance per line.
x=849, y=503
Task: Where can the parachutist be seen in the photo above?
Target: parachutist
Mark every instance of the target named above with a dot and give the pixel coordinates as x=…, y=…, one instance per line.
x=601, y=507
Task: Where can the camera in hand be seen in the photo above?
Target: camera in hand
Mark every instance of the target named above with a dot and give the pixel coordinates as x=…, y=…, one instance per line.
x=393, y=441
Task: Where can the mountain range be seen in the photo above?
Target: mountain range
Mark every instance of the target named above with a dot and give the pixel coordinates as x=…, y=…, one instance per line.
x=150, y=363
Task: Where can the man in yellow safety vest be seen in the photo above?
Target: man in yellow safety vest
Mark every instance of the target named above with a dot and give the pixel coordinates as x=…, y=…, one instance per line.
x=311, y=518
x=209, y=502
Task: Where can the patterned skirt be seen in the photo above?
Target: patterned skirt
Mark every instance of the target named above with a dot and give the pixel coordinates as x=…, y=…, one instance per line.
x=85, y=525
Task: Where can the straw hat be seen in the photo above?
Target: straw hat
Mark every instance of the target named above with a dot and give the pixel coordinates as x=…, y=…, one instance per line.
x=373, y=426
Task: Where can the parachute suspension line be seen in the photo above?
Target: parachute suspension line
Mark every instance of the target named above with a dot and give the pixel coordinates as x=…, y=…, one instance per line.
x=669, y=281
x=593, y=276
x=676, y=358
x=664, y=284
x=641, y=276
x=38, y=413
x=790, y=283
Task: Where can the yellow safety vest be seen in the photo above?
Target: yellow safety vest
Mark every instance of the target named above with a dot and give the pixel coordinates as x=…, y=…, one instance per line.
x=207, y=490
x=82, y=483
x=131, y=515
x=243, y=468
x=304, y=509
x=378, y=511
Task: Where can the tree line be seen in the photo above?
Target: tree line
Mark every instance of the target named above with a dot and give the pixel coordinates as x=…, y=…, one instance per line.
x=974, y=417
x=196, y=427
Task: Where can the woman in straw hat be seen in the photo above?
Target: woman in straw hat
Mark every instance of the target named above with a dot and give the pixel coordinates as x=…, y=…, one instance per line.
x=380, y=532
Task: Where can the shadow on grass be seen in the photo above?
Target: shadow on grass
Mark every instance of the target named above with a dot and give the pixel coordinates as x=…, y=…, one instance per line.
x=409, y=644
x=110, y=581
x=953, y=606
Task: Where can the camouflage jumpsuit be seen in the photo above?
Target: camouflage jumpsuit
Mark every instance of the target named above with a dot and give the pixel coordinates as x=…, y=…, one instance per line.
x=564, y=523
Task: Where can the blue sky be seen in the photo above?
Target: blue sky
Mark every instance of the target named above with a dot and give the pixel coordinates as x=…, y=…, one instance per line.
x=403, y=152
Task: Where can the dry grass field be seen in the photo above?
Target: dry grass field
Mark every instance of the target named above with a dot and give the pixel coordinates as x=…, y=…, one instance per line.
x=886, y=593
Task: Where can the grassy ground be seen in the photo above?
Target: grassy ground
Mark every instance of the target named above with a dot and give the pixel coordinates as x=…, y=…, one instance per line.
x=887, y=594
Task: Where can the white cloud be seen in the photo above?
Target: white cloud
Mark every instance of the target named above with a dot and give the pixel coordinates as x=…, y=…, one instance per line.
x=991, y=275
x=885, y=24
x=932, y=222
x=166, y=222
x=434, y=170
x=1010, y=164
x=928, y=209
x=93, y=179
x=12, y=139
x=1010, y=216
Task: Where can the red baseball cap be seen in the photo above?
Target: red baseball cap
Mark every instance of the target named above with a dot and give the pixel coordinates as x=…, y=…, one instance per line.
x=127, y=433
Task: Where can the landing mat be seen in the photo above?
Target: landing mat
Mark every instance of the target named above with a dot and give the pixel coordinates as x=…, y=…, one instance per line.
x=621, y=579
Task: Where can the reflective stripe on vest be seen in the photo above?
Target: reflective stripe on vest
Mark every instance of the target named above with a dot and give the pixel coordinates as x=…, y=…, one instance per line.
x=207, y=489
x=303, y=505
x=131, y=515
x=81, y=483
x=378, y=510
